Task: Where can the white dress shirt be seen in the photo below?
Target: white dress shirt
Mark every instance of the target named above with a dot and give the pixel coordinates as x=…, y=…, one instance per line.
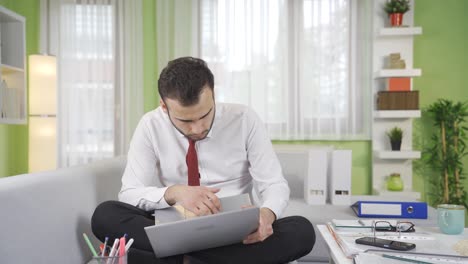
x=235, y=156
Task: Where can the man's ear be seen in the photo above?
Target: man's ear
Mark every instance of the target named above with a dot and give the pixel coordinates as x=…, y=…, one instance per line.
x=163, y=105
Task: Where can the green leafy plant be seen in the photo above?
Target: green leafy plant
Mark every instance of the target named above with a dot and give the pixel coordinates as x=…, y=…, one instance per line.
x=397, y=6
x=446, y=151
x=395, y=134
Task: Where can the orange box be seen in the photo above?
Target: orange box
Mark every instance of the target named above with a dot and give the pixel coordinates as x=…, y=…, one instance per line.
x=399, y=84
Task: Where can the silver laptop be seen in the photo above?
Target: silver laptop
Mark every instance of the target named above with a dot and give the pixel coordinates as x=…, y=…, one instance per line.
x=173, y=234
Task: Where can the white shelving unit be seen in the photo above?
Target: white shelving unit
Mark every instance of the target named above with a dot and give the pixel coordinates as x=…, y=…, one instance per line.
x=400, y=196
x=389, y=40
x=400, y=31
x=386, y=73
x=397, y=114
x=12, y=68
x=397, y=155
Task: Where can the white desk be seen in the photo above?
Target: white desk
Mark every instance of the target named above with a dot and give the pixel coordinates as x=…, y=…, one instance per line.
x=321, y=214
x=337, y=256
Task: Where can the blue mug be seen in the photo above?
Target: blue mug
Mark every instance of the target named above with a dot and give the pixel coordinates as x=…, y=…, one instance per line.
x=451, y=218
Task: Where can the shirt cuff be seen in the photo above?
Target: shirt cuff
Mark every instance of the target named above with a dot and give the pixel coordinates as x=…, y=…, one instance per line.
x=154, y=199
x=277, y=207
x=162, y=203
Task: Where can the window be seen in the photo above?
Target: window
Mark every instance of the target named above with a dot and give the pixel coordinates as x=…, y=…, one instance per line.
x=88, y=82
x=99, y=53
x=300, y=64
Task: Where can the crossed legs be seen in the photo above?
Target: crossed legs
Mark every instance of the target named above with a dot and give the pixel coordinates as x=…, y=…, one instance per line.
x=293, y=238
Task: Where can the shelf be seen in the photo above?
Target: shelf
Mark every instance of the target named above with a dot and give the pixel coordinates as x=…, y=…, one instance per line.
x=11, y=121
x=9, y=69
x=8, y=16
x=400, y=196
x=397, y=155
x=398, y=73
x=13, y=68
x=400, y=31
x=397, y=114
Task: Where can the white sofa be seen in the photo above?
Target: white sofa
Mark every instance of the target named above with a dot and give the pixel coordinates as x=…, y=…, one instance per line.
x=45, y=214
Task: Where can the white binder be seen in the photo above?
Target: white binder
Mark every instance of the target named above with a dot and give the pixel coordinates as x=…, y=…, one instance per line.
x=340, y=177
x=315, y=180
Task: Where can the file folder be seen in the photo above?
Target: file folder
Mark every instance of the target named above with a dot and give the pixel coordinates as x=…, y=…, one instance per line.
x=380, y=209
x=340, y=177
x=315, y=181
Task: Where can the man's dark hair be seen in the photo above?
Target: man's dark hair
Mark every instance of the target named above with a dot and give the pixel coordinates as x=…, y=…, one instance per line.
x=183, y=79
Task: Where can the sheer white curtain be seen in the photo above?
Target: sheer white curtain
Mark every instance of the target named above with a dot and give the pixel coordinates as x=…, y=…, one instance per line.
x=333, y=96
x=99, y=52
x=302, y=65
x=177, y=30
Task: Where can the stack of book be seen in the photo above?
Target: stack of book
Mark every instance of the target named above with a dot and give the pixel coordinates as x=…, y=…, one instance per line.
x=396, y=62
x=398, y=94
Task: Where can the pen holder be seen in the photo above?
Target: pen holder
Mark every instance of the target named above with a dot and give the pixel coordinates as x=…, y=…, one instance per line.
x=109, y=260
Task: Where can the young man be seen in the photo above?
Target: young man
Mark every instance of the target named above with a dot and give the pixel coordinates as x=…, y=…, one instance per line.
x=191, y=151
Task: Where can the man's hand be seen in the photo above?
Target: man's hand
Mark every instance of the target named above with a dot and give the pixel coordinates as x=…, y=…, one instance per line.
x=200, y=200
x=265, y=228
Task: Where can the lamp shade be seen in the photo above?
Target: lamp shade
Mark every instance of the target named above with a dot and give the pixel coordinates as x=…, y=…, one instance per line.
x=42, y=85
x=42, y=142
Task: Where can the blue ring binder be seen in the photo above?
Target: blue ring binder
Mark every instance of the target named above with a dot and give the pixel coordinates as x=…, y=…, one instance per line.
x=379, y=209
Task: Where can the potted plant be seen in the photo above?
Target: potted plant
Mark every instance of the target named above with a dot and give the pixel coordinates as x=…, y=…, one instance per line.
x=395, y=10
x=394, y=182
x=446, y=151
x=395, y=135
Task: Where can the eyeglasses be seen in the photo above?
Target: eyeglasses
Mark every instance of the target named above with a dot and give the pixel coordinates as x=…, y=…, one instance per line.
x=401, y=226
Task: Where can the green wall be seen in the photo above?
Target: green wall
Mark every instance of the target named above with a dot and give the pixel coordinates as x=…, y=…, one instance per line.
x=14, y=138
x=441, y=52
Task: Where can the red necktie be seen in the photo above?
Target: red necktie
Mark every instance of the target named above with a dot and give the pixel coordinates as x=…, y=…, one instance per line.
x=192, y=165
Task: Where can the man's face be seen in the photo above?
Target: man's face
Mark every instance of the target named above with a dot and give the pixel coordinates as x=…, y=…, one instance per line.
x=192, y=121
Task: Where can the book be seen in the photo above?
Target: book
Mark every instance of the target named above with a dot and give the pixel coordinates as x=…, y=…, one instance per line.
x=398, y=84
x=407, y=100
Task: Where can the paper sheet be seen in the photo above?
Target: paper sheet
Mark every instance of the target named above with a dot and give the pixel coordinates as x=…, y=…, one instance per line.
x=366, y=258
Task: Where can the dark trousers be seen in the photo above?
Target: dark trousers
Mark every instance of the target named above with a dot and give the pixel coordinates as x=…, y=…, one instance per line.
x=293, y=237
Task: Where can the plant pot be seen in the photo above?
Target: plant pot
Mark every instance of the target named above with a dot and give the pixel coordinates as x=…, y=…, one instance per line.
x=395, y=183
x=396, y=145
x=396, y=19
